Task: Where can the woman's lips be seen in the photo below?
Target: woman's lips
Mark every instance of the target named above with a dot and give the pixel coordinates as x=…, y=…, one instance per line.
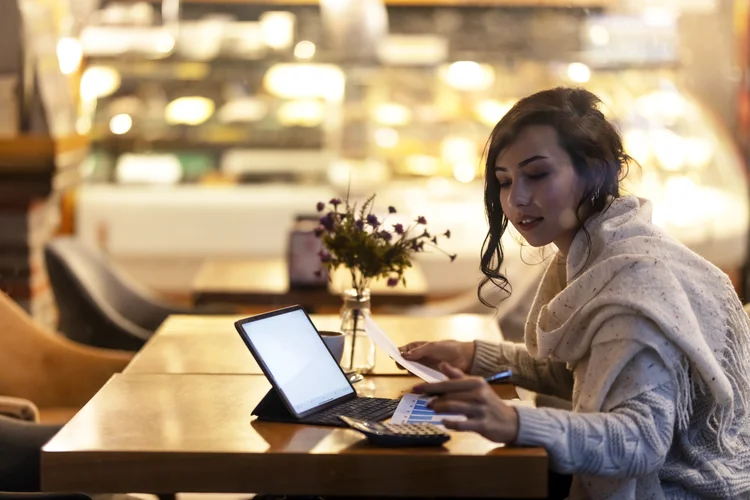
x=531, y=224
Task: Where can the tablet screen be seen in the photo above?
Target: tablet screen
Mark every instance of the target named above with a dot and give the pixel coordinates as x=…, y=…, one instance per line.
x=297, y=359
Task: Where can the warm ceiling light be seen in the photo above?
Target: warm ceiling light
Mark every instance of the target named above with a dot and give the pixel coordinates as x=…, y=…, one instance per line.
x=304, y=50
x=305, y=81
x=468, y=75
x=579, y=72
x=277, y=28
x=164, y=43
x=189, y=111
x=120, y=124
x=599, y=35
x=99, y=81
x=464, y=172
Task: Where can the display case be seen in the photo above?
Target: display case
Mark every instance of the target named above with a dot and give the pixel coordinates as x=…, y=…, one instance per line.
x=208, y=135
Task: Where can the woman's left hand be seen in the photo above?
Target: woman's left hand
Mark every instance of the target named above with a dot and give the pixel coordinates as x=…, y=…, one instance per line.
x=473, y=397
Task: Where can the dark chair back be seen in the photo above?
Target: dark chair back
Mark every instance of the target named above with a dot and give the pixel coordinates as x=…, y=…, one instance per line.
x=98, y=305
x=20, y=455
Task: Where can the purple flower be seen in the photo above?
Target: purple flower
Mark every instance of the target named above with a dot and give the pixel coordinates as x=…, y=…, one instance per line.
x=417, y=246
x=319, y=231
x=392, y=281
x=386, y=235
x=421, y=220
x=373, y=220
x=434, y=240
x=453, y=257
x=426, y=234
x=399, y=228
x=320, y=206
x=335, y=202
x=325, y=257
x=359, y=224
x=447, y=233
x=327, y=221
x=391, y=210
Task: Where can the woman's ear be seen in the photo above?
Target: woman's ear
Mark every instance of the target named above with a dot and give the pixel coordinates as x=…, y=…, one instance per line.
x=598, y=182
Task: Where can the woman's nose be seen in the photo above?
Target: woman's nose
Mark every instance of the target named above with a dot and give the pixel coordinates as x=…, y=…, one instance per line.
x=519, y=195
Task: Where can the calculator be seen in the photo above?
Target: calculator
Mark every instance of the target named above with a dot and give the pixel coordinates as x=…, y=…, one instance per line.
x=386, y=434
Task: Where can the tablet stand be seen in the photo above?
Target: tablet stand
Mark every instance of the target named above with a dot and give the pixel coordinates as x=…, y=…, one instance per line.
x=272, y=409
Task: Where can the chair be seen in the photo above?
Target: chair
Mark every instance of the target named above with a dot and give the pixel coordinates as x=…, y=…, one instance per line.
x=42, y=366
x=98, y=305
x=20, y=454
x=21, y=441
x=42, y=374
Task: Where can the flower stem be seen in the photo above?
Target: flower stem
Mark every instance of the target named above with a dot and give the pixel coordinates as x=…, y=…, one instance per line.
x=354, y=334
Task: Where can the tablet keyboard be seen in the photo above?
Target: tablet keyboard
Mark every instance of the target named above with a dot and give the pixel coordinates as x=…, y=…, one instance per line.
x=361, y=408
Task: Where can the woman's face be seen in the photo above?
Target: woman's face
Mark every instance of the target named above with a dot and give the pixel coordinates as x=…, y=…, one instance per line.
x=539, y=188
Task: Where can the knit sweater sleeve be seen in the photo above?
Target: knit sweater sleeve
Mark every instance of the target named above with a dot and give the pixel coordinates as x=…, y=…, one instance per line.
x=544, y=376
x=631, y=439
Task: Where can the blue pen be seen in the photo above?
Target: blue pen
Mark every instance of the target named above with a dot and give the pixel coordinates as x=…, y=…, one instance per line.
x=503, y=376
x=497, y=378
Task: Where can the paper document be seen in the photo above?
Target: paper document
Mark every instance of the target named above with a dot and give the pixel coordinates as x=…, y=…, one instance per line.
x=412, y=409
x=384, y=342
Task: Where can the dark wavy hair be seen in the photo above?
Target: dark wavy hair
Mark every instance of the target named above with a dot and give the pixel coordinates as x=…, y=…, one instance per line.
x=592, y=142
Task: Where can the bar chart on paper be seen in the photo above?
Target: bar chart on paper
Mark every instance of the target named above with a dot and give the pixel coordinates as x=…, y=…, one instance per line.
x=413, y=410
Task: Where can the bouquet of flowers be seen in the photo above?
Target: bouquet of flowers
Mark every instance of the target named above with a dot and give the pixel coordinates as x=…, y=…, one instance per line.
x=368, y=246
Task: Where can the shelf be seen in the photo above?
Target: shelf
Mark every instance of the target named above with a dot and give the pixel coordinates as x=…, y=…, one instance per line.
x=425, y=3
x=35, y=166
x=37, y=153
x=127, y=144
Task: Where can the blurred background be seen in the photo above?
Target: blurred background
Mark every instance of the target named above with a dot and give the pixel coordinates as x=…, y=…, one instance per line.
x=169, y=133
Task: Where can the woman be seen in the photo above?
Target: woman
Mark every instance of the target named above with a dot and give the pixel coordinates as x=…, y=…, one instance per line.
x=647, y=340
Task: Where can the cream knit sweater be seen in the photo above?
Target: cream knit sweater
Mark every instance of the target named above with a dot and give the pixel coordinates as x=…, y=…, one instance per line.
x=650, y=343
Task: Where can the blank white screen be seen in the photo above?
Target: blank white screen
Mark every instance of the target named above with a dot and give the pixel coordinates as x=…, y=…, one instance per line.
x=297, y=359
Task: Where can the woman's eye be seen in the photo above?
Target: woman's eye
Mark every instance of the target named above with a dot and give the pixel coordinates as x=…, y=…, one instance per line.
x=535, y=177
x=504, y=184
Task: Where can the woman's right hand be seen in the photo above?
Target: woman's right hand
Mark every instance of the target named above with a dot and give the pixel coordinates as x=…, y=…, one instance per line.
x=453, y=352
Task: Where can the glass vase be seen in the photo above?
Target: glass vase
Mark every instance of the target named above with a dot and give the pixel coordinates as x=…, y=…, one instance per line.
x=359, y=349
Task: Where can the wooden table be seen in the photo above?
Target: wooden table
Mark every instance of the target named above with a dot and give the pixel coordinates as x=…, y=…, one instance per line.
x=177, y=433
x=265, y=282
x=210, y=344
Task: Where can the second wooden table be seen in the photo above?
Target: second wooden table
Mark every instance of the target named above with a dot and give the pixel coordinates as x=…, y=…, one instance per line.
x=265, y=282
